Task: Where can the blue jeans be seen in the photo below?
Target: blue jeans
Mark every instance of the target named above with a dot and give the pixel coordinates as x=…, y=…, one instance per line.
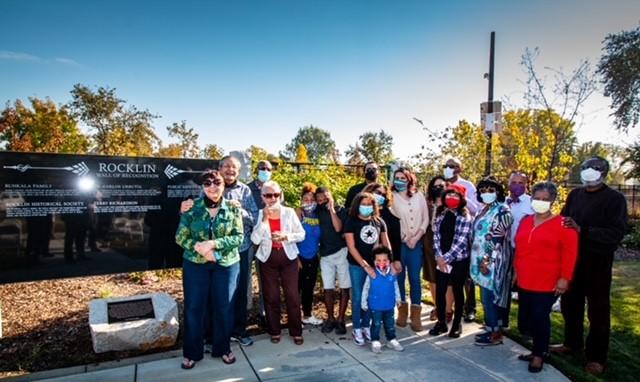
x=411, y=263
x=493, y=314
x=203, y=283
x=360, y=318
x=239, y=328
x=384, y=317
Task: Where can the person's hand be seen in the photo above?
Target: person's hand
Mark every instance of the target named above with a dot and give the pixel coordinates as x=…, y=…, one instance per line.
x=397, y=267
x=235, y=203
x=442, y=265
x=561, y=286
x=299, y=265
x=265, y=215
x=370, y=271
x=186, y=205
x=278, y=236
x=331, y=204
x=210, y=257
x=411, y=243
x=568, y=222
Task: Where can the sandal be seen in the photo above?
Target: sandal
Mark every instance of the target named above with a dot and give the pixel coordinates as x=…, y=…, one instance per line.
x=275, y=339
x=228, y=358
x=187, y=364
x=298, y=340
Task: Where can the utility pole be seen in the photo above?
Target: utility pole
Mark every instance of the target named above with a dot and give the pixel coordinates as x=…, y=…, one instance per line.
x=487, y=166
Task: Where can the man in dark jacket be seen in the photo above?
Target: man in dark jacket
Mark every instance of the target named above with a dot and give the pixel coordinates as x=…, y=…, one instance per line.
x=371, y=174
x=599, y=214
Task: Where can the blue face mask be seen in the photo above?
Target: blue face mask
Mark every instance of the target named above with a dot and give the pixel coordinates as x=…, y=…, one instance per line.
x=380, y=199
x=400, y=185
x=264, y=176
x=365, y=211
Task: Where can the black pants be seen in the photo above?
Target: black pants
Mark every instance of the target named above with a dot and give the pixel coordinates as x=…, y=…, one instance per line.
x=459, y=274
x=470, y=301
x=307, y=282
x=533, y=318
x=592, y=280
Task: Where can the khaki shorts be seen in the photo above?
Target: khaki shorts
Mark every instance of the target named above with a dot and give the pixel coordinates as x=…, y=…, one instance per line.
x=335, y=267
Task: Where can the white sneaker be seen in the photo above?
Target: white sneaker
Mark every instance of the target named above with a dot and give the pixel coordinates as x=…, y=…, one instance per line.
x=376, y=347
x=395, y=345
x=358, y=338
x=514, y=296
x=312, y=320
x=556, y=306
x=366, y=332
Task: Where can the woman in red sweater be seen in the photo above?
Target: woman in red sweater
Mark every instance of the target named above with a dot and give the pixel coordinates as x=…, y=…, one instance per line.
x=545, y=257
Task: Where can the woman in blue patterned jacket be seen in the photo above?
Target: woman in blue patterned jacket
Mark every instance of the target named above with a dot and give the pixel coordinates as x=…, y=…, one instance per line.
x=210, y=234
x=492, y=257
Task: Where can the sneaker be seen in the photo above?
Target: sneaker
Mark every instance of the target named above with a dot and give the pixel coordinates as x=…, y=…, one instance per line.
x=366, y=332
x=243, y=341
x=482, y=335
x=328, y=326
x=358, y=338
x=376, y=347
x=514, y=296
x=395, y=345
x=312, y=320
x=341, y=328
x=493, y=339
x=556, y=306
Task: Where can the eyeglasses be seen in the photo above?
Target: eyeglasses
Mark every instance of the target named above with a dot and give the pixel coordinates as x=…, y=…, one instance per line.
x=487, y=189
x=269, y=196
x=209, y=183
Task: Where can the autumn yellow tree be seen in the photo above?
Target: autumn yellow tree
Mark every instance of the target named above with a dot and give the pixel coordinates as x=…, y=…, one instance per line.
x=301, y=154
x=42, y=128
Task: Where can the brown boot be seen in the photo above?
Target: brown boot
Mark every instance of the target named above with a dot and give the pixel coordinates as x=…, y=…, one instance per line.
x=416, y=320
x=403, y=312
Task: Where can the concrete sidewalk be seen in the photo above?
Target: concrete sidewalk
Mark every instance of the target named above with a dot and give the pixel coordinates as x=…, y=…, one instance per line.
x=329, y=358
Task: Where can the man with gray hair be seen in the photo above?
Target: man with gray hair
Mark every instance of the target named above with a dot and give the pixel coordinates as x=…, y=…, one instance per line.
x=599, y=215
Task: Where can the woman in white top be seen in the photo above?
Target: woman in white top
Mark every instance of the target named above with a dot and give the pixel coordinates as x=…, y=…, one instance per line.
x=276, y=234
x=410, y=206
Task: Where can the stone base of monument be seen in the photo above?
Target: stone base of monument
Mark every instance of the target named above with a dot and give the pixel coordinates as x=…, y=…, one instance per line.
x=121, y=323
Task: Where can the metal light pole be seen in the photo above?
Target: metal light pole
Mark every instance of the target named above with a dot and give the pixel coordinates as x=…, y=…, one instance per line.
x=487, y=166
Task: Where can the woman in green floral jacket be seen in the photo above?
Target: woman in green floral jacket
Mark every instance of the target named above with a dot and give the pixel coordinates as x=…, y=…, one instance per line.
x=210, y=233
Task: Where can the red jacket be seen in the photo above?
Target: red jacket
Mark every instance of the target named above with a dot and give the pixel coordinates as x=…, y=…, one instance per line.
x=544, y=254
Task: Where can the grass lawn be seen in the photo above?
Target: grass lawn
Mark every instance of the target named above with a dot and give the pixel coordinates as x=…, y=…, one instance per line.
x=624, y=345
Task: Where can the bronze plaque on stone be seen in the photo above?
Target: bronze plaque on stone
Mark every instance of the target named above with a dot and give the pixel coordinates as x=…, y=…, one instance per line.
x=130, y=310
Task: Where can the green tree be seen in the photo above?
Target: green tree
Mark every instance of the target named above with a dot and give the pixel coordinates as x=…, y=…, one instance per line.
x=212, y=151
x=354, y=156
x=373, y=147
x=42, y=128
x=116, y=129
x=301, y=154
x=318, y=142
x=619, y=69
x=187, y=139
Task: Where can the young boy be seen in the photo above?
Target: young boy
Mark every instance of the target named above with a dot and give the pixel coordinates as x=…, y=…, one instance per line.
x=381, y=294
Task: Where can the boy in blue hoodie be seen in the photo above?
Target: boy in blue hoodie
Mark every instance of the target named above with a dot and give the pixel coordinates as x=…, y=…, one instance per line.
x=381, y=294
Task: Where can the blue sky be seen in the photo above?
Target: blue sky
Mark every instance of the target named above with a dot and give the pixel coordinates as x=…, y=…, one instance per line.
x=253, y=72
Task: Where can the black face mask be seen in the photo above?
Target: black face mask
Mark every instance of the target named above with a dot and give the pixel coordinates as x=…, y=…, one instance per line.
x=210, y=203
x=436, y=191
x=371, y=174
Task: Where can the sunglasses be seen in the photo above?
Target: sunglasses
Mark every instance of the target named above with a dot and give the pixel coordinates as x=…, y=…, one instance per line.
x=487, y=189
x=209, y=183
x=450, y=166
x=269, y=196
x=263, y=168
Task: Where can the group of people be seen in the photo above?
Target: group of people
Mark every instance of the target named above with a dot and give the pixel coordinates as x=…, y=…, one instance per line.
x=456, y=235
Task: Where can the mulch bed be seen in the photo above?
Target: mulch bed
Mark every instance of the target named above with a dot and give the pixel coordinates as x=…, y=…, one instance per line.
x=46, y=323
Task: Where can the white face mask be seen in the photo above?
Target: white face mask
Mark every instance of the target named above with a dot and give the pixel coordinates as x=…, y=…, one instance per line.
x=488, y=197
x=540, y=206
x=590, y=176
x=449, y=173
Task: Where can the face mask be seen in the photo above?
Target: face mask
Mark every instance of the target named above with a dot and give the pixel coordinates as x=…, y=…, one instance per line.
x=379, y=199
x=488, y=197
x=400, y=185
x=382, y=267
x=264, y=175
x=309, y=208
x=540, y=206
x=365, y=211
x=516, y=189
x=449, y=173
x=590, y=177
x=371, y=174
x=452, y=202
x=436, y=191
